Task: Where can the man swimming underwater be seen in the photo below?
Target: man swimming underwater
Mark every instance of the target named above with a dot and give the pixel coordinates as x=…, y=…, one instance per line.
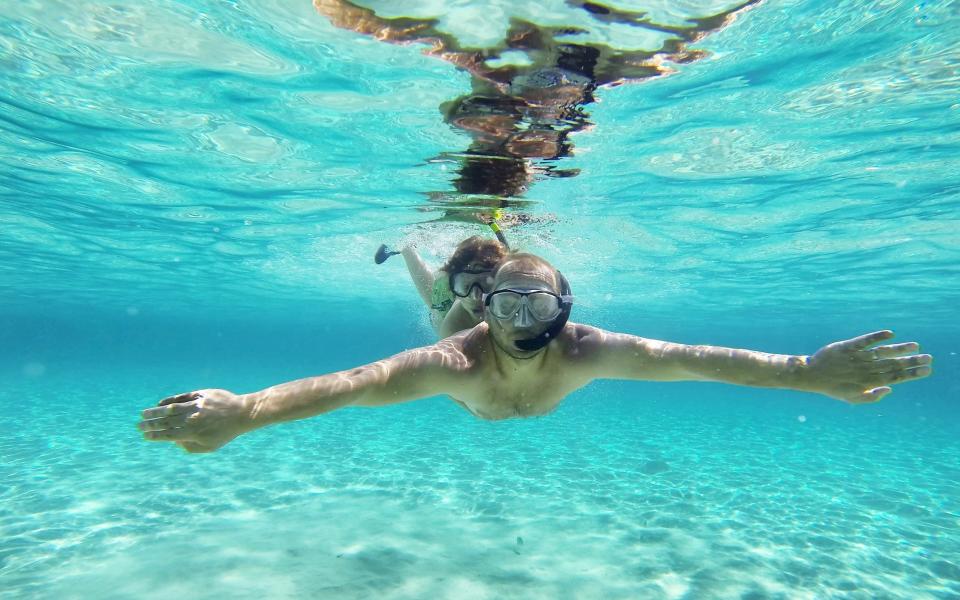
x=522, y=360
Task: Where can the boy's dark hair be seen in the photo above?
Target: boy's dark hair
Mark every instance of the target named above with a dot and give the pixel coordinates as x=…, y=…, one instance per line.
x=477, y=252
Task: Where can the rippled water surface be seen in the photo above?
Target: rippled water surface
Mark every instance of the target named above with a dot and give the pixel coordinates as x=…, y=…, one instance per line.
x=191, y=194
x=251, y=146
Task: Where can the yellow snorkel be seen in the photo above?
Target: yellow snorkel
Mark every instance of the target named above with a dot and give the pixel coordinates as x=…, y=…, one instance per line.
x=497, y=214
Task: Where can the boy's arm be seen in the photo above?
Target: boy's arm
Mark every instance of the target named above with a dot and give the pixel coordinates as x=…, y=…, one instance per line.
x=851, y=370
x=421, y=274
x=205, y=420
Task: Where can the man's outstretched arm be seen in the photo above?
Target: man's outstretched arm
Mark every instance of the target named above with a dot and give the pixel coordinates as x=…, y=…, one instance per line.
x=401, y=30
x=854, y=370
x=205, y=420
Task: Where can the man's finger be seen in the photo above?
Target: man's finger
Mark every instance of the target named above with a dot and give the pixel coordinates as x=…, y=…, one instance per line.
x=867, y=340
x=890, y=365
x=186, y=408
x=873, y=395
x=193, y=447
x=906, y=374
x=167, y=435
x=163, y=423
x=894, y=350
x=186, y=397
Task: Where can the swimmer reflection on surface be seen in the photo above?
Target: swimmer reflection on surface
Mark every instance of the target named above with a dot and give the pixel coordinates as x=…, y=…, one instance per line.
x=518, y=114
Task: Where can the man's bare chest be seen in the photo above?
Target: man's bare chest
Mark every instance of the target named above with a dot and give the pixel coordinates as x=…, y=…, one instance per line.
x=495, y=398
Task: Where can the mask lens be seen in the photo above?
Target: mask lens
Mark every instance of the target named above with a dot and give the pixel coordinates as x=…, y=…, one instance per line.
x=504, y=305
x=543, y=306
x=461, y=284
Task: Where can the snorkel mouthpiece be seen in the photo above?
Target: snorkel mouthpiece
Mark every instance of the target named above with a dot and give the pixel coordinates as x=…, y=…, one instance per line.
x=566, y=304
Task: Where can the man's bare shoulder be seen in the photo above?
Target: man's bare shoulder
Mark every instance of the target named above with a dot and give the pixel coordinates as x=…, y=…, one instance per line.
x=462, y=350
x=582, y=337
x=585, y=332
x=580, y=342
x=586, y=341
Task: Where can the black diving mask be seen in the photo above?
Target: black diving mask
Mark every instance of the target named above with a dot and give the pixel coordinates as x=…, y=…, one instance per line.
x=465, y=283
x=511, y=303
x=540, y=305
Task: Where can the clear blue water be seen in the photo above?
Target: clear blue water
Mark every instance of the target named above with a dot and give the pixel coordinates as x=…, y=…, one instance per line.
x=190, y=196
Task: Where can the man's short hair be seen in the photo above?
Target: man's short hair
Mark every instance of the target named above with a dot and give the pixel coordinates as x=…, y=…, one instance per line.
x=528, y=259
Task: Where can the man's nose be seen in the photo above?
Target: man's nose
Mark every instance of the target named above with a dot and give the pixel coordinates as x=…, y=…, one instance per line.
x=522, y=318
x=476, y=292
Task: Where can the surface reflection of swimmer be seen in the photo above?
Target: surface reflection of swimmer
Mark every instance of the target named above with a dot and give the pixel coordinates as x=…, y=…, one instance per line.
x=454, y=292
x=516, y=113
x=522, y=360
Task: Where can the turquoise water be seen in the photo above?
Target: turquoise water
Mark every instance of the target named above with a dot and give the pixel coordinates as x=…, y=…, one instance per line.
x=191, y=196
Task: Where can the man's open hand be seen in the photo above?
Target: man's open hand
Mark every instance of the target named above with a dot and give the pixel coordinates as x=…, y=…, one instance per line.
x=858, y=372
x=200, y=421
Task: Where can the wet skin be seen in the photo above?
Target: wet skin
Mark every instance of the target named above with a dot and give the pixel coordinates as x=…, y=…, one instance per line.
x=484, y=372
